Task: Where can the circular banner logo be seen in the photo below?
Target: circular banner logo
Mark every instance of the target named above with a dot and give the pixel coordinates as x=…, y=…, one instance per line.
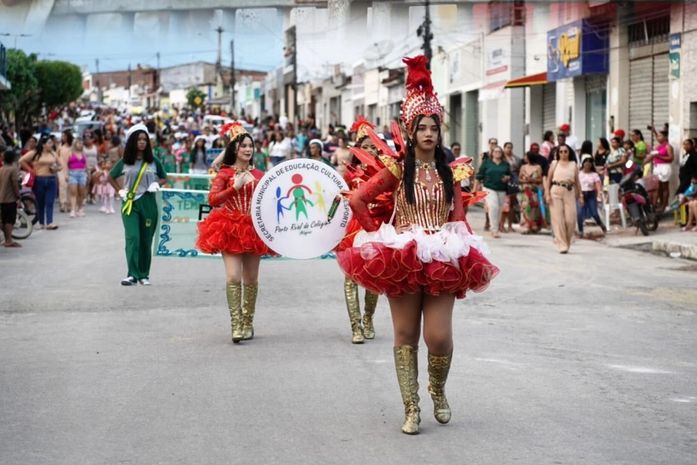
x=297, y=209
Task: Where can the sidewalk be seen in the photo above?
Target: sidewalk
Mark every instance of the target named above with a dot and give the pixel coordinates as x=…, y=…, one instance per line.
x=668, y=239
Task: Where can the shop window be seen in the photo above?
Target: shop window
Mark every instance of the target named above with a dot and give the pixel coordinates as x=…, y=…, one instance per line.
x=649, y=31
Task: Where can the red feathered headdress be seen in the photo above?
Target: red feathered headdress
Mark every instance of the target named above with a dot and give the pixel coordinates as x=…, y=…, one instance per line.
x=361, y=126
x=420, y=99
x=233, y=130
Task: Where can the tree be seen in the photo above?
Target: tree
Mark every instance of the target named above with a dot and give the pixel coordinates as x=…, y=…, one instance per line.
x=195, y=97
x=60, y=82
x=22, y=100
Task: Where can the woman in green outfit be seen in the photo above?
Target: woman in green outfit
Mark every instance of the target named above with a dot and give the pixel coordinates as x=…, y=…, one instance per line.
x=142, y=176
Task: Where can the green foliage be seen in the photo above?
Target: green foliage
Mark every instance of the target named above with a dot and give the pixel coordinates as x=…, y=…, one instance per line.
x=60, y=82
x=195, y=97
x=22, y=100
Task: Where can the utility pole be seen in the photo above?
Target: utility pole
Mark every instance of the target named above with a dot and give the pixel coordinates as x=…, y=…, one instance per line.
x=130, y=80
x=99, y=87
x=232, y=76
x=219, y=61
x=295, y=77
x=157, y=83
x=424, y=31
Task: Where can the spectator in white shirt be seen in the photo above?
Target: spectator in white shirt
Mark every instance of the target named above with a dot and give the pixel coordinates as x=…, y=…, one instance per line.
x=280, y=148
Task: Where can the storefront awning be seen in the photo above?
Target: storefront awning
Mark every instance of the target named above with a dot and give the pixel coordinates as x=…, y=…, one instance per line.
x=526, y=81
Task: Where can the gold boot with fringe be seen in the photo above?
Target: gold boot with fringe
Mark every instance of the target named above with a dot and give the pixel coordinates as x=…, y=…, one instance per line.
x=249, y=304
x=438, y=369
x=371, y=301
x=406, y=363
x=354, y=311
x=233, y=292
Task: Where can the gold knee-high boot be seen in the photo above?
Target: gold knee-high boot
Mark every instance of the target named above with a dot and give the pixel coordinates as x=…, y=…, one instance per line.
x=249, y=305
x=354, y=311
x=371, y=301
x=406, y=363
x=438, y=368
x=233, y=291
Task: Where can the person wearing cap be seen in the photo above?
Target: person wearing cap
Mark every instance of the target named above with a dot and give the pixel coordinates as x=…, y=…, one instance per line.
x=142, y=176
x=570, y=139
x=315, y=149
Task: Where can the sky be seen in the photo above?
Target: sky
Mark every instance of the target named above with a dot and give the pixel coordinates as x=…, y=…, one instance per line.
x=258, y=36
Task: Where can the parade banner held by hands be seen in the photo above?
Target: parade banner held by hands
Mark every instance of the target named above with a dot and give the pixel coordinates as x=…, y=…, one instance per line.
x=298, y=210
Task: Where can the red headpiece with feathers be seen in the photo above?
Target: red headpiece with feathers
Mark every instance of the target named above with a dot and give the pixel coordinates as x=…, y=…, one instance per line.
x=361, y=126
x=233, y=130
x=420, y=99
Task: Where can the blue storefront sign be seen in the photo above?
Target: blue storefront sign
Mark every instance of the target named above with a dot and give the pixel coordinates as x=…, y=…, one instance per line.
x=576, y=49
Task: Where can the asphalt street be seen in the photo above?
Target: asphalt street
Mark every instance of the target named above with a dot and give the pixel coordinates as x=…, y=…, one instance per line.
x=585, y=358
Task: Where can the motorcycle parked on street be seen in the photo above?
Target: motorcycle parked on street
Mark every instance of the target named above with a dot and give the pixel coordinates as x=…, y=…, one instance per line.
x=635, y=199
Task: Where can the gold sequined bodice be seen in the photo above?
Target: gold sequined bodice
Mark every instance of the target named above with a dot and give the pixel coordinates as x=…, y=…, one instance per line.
x=430, y=209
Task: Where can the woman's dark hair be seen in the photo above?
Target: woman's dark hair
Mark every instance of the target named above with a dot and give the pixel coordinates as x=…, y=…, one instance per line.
x=444, y=171
x=530, y=158
x=507, y=143
x=587, y=147
x=629, y=143
x=557, y=153
x=69, y=137
x=589, y=160
x=638, y=133
x=39, y=147
x=196, y=150
x=131, y=150
x=99, y=137
x=604, y=143
x=617, y=139
x=9, y=157
x=548, y=136
x=115, y=141
x=230, y=156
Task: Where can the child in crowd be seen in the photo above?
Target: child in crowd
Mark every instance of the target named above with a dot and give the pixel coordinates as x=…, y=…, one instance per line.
x=689, y=197
x=629, y=150
x=592, y=190
x=9, y=194
x=261, y=157
x=103, y=190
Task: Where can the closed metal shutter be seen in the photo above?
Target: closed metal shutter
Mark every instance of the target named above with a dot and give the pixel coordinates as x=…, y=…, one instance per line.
x=549, y=102
x=640, y=93
x=649, y=91
x=661, y=84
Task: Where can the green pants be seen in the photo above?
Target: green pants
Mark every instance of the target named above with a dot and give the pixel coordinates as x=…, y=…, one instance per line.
x=140, y=228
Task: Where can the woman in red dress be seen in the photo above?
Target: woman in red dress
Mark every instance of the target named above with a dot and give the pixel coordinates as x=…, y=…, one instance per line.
x=424, y=258
x=228, y=229
x=361, y=328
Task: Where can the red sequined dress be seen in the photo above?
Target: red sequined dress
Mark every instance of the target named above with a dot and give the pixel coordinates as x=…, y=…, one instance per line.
x=228, y=228
x=436, y=251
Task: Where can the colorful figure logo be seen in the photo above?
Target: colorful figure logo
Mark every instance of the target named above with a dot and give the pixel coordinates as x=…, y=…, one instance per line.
x=298, y=200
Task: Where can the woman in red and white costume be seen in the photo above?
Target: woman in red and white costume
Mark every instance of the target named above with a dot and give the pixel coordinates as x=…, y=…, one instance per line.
x=354, y=175
x=427, y=256
x=228, y=229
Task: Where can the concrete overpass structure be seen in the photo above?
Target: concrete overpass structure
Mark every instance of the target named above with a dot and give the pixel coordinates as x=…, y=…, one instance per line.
x=87, y=7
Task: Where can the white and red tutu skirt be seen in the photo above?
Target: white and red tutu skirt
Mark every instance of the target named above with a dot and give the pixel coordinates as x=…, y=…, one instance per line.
x=229, y=231
x=449, y=261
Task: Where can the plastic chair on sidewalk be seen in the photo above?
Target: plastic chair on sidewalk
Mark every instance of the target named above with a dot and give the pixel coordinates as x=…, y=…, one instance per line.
x=613, y=203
